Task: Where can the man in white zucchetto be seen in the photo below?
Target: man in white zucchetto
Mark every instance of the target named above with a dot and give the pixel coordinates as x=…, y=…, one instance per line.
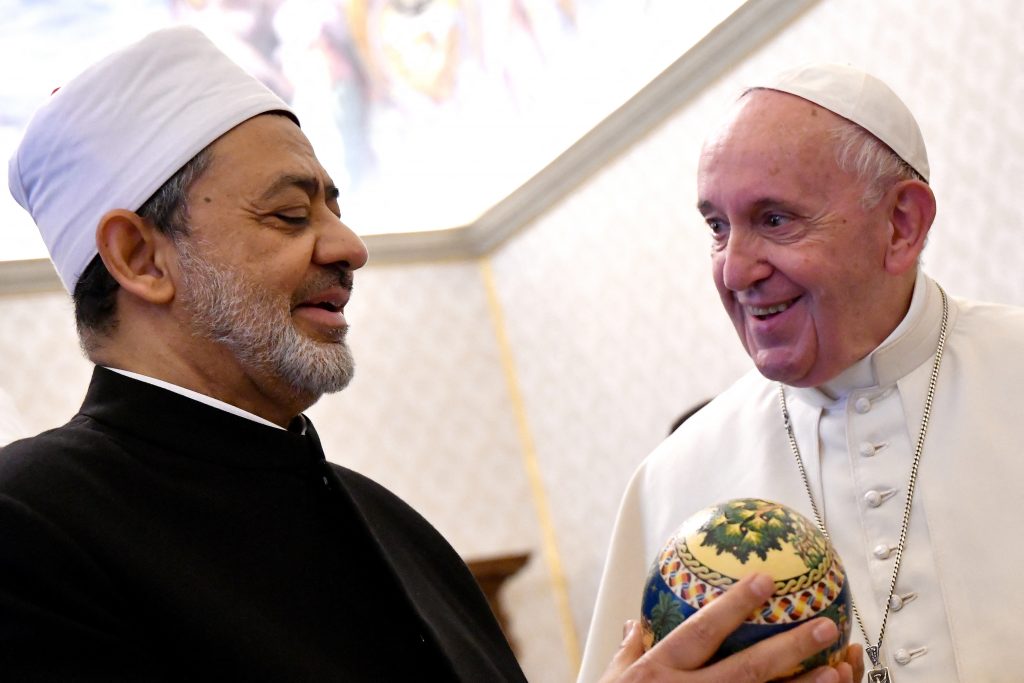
x=880, y=407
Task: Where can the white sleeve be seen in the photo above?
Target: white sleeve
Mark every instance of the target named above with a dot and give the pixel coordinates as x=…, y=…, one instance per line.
x=622, y=583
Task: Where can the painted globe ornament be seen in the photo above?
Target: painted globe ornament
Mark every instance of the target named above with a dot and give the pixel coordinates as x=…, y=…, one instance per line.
x=719, y=545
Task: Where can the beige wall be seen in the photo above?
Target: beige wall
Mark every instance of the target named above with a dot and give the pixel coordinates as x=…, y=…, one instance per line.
x=613, y=326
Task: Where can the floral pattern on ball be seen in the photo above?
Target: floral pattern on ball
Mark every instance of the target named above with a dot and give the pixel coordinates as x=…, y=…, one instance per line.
x=720, y=545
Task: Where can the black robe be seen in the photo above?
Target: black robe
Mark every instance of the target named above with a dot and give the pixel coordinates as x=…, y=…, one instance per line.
x=156, y=538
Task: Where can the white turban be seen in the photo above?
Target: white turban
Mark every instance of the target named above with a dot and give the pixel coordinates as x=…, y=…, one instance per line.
x=114, y=134
x=861, y=98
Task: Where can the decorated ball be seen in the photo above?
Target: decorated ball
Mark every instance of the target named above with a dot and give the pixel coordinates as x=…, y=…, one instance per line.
x=718, y=546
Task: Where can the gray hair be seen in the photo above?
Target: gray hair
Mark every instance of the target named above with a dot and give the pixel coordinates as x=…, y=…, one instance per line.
x=871, y=160
x=95, y=294
x=865, y=156
x=168, y=206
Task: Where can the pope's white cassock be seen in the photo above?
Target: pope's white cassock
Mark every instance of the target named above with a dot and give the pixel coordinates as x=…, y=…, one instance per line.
x=959, y=601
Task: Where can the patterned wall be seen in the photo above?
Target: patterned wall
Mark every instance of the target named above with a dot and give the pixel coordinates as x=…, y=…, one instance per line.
x=614, y=326
x=429, y=415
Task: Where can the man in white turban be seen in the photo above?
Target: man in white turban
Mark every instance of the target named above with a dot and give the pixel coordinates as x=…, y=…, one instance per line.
x=185, y=525
x=880, y=407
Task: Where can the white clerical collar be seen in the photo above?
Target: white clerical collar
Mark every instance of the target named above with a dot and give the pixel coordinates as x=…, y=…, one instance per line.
x=196, y=396
x=910, y=344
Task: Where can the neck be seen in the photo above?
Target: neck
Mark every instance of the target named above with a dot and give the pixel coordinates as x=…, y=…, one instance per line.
x=203, y=366
x=859, y=372
x=910, y=344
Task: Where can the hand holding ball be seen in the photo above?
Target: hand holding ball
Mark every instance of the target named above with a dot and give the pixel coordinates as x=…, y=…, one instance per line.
x=715, y=548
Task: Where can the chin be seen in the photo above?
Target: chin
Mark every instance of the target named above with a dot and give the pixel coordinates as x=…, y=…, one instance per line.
x=793, y=375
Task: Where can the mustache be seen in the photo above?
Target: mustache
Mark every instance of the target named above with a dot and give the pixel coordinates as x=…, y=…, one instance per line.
x=325, y=278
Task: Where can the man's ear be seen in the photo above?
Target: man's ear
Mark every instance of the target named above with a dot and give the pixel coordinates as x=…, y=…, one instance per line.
x=136, y=254
x=911, y=212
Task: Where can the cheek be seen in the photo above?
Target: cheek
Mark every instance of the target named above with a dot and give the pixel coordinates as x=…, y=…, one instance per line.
x=718, y=270
x=281, y=263
x=835, y=318
x=724, y=293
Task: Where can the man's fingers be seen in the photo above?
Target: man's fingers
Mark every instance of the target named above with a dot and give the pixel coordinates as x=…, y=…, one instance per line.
x=777, y=656
x=823, y=674
x=850, y=670
x=693, y=642
x=630, y=650
x=855, y=658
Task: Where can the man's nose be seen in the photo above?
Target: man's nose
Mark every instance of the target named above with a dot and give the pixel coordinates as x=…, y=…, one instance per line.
x=337, y=244
x=745, y=262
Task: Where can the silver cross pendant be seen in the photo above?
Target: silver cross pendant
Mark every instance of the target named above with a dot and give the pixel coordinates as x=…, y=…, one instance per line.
x=879, y=673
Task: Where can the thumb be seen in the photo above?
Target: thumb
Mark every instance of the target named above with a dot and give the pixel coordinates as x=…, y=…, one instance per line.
x=630, y=650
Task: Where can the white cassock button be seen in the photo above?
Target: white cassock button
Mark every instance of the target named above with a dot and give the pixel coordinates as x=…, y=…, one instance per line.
x=905, y=656
x=862, y=405
x=883, y=551
x=898, y=601
x=867, y=449
x=876, y=498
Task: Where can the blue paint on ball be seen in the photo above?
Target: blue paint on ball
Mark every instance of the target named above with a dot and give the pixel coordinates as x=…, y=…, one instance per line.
x=662, y=608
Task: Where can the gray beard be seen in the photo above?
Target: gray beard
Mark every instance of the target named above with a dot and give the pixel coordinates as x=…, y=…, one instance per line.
x=257, y=327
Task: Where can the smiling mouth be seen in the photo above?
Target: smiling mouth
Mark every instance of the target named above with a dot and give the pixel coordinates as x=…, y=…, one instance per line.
x=325, y=312
x=324, y=305
x=332, y=300
x=765, y=312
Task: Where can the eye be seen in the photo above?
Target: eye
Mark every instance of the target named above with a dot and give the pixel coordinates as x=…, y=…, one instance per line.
x=292, y=219
x=332, y=199
x=719, y=233
x=776, y=220
x=718, y=227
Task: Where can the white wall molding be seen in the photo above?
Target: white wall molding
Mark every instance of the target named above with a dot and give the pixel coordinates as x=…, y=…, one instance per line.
x=750, y=26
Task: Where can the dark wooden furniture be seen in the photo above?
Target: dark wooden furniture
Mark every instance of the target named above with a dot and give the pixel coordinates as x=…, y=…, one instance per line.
x=491, y=573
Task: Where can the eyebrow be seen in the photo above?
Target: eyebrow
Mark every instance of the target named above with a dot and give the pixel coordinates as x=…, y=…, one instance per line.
x=705, y=207
x=308, y=184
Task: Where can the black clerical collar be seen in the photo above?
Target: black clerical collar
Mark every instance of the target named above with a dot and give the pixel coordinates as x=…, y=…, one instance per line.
x=163, y=419
x=296, y=426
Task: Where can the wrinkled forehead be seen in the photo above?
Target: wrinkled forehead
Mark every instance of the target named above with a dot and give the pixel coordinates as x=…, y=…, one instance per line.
x=771, y=146
x=769, y=117
x=261, y=150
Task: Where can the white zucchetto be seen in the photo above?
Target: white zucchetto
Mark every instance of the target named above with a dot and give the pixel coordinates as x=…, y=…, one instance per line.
x=114, y=134
x=861, y=98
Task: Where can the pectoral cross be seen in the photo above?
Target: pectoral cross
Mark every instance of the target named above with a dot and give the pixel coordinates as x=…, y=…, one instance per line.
x=879, y=673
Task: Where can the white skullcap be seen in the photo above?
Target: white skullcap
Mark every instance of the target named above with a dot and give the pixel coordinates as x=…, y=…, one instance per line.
x=114, y=134
x=861, y=98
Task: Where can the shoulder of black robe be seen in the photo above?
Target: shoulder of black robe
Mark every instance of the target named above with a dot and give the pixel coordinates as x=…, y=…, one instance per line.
x=437, y=581
x=153, y=537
